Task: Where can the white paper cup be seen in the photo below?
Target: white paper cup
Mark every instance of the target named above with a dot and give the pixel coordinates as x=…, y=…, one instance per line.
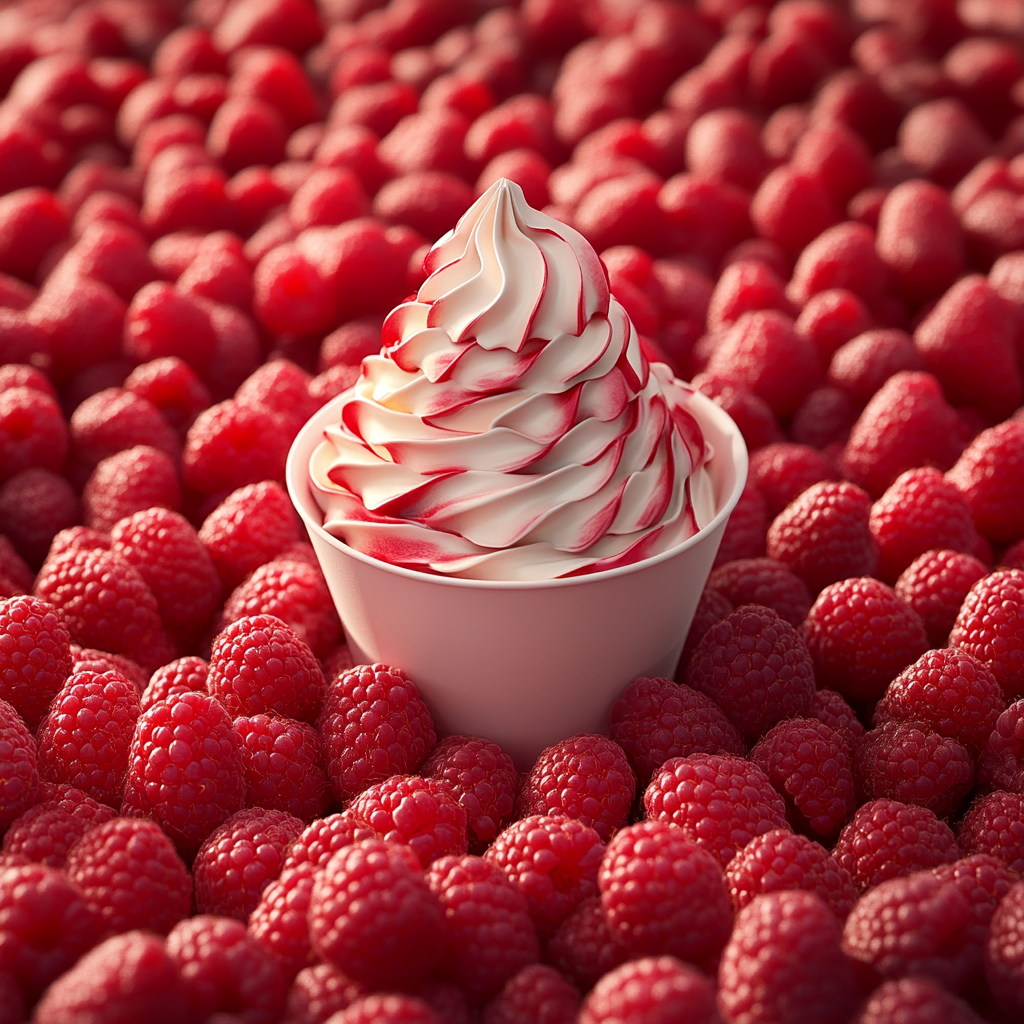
x=522, y=663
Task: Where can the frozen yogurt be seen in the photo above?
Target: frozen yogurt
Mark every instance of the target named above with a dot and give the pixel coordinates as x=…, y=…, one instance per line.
x=511, y=427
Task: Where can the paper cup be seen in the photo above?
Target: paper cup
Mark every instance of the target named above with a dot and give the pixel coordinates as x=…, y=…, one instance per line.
x=521, y=663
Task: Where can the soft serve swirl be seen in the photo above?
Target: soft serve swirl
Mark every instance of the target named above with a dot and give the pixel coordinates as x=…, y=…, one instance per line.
x=511, y=428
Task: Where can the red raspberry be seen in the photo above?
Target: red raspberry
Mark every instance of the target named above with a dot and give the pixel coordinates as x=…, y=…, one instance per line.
x=745, y=286
x=130, y=481
x=756, y=667
x=85, y=737
x=751, y=414
x=1004, y=957
x=582, y=948
x=483, y=778
x=766, y=582
x=184, y=770
x=164, y=547
x=387, y=1009
x=586, y=777
x=173, y=387
x=14, y=567
x=45, y=832
x=278, y=922
x=35, y=505
x=373, y=911
x=780, y=860
x=283, y=388
x=374, y=725
x=128, y=977
x=32, y=432
x=990, y=474
x=918, y=512
x=318, y=992
x=783, y=471
x=321, y=839
x=106, y=604
x=131, y=876
x=663, y=894
x=45, y=925
x=861, y=635
x=35, y=656
x=184, y=675
x=915, y=1001
x=19, y=776
x=745, y=531
x=784, y=962
x=829, y=707
x=887, y=839
x=831, y=318
x=808, y=764
x=908, y=423
x=536, y=993
x=911, y=925
x=295, y=592
x=481, y=904
x=950, y=693
x=935, y=585
x=224, y=970
x=240, y=858
x=899, y=761
x=712, y=607
x=422, y=813
x=1001, y=765
x=656, y=719
x=259, y=664
x=824, y=535
x=282, y=762
x=652, y=990
x=85, y=659
x=994, y=825
x=990, y=627
x=721, y=802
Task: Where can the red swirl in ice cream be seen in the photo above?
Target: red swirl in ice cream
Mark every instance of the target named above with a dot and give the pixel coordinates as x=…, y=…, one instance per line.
x=511, y=428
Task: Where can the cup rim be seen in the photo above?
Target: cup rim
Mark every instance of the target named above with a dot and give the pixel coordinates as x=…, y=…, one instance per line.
x=297, y=473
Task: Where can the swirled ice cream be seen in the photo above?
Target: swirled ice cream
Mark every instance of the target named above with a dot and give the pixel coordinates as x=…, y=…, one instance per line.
x=511, y=428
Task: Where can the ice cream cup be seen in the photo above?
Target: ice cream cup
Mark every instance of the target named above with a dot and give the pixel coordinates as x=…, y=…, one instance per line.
x=522, y=663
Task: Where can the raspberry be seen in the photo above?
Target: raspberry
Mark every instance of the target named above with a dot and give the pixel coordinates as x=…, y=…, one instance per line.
x=744, y=533
x=295, y=592
x=911, y=925
x=19, y=776
x=586, y=777
x=554, y=861
x=278, y=922
x=173, y=387
x=35, y=656
x=422, y=813
x=721, y=802
x=250, y=527
x=388, y=1009
x=783, y=471
x=1001, y=765
x=127, y=978
x=808, y=764
x=751, y=414
x=915, y=1001
x=829, y=707
x=45, y=925
x=990, y=627
x=164, y=547
x=888, y=839
x=712, y=607
x=784, y=962
x=824, y=535
x=35, y=505
x=373, y=911
x=483, y=778
x=781, y=860
x=908, y=423
x=656, y=719
x=240, y=858
x=283, y=388
x=282, y=764
x=652, y=990
x=32, y=432
x=582, y=948
x=663, y=894
x=374, y=725
x=184, y=769
x=14, y=567
x=321, y=839
x=831, y=318
x=131, y=876
x=990, y=474
x=184, y=675
x=745, y=286
x=481, y=904
x=935, y=585
x=950, y=693
x=130, y=481
x=318, y=992
x=756, y=667
x=222, y=969
x=861, y=635
x=994, y=825
x=259, y=664
x=105, y=603
x=46, y=831
x=763, y=581
x=85, y=737
x=1004, y=956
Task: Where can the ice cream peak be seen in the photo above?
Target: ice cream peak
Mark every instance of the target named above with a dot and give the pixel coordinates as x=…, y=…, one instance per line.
x=511, y=428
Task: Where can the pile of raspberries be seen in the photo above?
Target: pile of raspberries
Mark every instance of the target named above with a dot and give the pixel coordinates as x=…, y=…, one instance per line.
x=814, y=209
